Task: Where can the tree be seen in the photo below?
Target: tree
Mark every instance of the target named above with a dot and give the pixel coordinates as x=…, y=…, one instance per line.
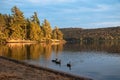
x=2, y=35
x=35, y=32
x=2, y=23
x=18, y=24
x=35, y=19
x=47, y=31
x=57, y=34
x=54, y=33
x=16, y=27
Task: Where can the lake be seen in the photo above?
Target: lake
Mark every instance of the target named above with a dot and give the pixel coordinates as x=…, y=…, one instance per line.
x=96, y=60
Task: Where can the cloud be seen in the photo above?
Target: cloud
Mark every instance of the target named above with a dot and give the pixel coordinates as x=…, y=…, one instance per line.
x=84, y=9
x=69, y=12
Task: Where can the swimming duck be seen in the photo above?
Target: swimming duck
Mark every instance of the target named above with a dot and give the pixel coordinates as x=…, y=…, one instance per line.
x=69, y=64
x=58, y=61
x=54, y=60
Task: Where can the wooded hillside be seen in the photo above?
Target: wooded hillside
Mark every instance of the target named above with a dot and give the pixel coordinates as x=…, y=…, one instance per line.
x=111, y=33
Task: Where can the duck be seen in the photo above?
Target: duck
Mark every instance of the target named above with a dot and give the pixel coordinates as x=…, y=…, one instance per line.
x=69, y=64
x=54, y=60
x=58, y=62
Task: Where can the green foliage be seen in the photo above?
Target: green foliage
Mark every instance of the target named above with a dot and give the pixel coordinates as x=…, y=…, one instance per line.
x=16, y=27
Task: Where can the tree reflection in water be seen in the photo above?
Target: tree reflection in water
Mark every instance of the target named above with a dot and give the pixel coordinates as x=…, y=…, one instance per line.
x=29, y=51
x=102, y=46
x=35, y=51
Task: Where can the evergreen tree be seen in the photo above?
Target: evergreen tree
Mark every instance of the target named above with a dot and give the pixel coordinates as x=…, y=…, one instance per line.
x=54, y=35
x=2, y=23
x=35, y=32
x=57, y=34
x=47, y=31
x=35, y=18
x=28, y=28
x=16, y=27
x=18, y=24
x=2, y=35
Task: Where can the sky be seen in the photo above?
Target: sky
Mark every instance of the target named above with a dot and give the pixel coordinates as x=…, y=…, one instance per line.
x=69, y=13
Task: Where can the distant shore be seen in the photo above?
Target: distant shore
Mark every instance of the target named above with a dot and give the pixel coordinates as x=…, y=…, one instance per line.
x=15, y=70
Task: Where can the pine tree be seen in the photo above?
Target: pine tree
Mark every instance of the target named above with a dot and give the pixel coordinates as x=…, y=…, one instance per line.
x=18, y=24
x=35, y=18
x=2, y=23
x=4, y=29
x=16, y=27
x=35, y=32
x=47, y=31
x=57, y=34
x=54, y=35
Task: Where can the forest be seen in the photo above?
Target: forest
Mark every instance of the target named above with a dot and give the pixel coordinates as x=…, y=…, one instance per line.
x=16, y=27
x=79, y=34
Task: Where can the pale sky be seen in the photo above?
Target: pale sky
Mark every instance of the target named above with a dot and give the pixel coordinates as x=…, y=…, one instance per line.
x=69, y=13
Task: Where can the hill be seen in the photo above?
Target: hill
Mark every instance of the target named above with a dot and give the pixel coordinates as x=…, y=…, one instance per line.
x=110, y=33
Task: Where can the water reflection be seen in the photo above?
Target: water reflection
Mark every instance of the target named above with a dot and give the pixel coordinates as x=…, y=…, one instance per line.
x=102, y=46
x=29, y=51
x=98, y=60
x=35, y=51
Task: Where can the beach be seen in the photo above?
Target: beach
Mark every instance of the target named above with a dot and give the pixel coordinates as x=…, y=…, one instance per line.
x=11, y=69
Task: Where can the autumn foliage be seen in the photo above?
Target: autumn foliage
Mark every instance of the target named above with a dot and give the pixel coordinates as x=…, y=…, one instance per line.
x=17, y=27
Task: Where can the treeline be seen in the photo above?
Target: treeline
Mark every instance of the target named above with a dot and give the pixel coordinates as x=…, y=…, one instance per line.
x=73, y=34
x=17, y=27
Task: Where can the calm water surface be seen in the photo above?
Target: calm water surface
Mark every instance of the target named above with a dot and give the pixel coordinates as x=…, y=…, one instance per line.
x=98, y=60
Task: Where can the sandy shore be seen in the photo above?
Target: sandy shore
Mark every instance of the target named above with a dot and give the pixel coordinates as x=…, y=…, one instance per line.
x=14, y=70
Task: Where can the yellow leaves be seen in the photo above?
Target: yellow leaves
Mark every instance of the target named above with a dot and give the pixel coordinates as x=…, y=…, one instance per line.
x=15, y=26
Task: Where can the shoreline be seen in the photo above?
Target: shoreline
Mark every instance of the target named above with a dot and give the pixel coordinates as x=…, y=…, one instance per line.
x=12, y=68
x=42, y=41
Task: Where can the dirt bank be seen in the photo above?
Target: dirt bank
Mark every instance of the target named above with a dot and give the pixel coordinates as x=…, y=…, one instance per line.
x=14, y=70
